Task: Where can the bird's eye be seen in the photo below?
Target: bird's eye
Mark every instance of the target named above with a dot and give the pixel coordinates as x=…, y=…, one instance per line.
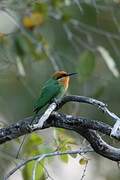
x=62, y=76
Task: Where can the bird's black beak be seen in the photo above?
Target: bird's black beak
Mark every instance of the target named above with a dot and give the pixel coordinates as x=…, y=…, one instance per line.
x=71, y=74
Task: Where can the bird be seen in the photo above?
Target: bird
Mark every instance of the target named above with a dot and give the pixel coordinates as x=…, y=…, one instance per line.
x=53, y=88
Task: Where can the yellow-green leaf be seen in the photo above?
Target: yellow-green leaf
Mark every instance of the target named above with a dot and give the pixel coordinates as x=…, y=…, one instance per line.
x=64, y=158
x=36, y=139
x=83, y=161
x=32, y=145
x=28, y=170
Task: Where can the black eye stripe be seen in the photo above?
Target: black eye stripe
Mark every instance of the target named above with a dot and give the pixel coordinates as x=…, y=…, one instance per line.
x=62, y=76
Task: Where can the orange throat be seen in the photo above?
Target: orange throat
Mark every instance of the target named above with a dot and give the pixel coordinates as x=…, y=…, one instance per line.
x=65, y=82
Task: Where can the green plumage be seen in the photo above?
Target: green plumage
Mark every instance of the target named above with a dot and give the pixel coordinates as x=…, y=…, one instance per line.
x=51, y=89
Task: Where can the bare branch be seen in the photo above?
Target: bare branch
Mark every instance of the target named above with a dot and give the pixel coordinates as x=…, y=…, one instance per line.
x=40, y=157
x=84, y=171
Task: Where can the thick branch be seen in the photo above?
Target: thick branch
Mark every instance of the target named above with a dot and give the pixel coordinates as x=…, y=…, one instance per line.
x=100, y=146
x=55, y=120
x=84, y=127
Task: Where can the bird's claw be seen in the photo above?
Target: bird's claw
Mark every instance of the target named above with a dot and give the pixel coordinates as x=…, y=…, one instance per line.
x=56, y=101
x=30, y=128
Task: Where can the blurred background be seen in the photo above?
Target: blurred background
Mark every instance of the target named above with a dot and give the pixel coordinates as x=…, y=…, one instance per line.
x=39, y=37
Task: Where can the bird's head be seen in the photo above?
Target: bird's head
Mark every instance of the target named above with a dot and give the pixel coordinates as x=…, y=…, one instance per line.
x=62, y=74
x=63, y=77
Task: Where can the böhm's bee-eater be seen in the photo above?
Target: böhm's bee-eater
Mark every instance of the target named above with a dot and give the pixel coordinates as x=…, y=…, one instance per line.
x=55, y=87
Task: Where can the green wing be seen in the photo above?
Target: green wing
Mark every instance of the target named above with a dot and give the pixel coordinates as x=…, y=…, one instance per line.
x=49, y=91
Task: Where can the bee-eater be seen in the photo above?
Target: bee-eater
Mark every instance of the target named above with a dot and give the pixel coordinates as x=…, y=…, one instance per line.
x=54, y=88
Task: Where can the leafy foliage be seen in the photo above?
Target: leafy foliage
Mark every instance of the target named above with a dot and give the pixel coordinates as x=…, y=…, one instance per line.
x=32, y=147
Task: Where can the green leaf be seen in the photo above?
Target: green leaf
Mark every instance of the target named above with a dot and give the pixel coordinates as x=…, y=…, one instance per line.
x=32, y=145
x=28, y=170
x=64, y=158
x=86, y=65
x=73, y=155
x=35, y=139
x=83, y=161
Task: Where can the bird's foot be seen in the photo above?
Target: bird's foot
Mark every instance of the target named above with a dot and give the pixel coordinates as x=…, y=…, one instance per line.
x=30, y=128
x=56, y=101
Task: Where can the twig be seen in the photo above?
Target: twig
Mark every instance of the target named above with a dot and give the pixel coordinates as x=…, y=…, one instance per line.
x=34, y=170
x=84, y=171
x=47, y=173
x=79, y=6
x=87, y=28
x=43, y=156
x=35, y=167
